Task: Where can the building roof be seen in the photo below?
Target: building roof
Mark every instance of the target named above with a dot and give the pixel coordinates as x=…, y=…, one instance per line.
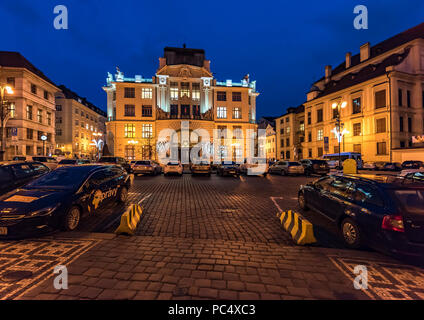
x=384, y=46
x=296, y=110
x=194, y=57
x=368, y=72
x=16, y=60
x=69, y=94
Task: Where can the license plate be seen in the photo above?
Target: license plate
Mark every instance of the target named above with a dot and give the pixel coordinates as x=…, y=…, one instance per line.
x=3, y=231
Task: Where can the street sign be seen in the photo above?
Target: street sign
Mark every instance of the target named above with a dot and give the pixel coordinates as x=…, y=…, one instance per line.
x=14, y=133
x=43, y=137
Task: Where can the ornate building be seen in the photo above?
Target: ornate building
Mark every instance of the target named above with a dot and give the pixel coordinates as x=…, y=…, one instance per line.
x=182, y=94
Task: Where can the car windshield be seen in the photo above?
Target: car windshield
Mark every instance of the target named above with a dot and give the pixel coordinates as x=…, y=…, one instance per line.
x=145, y=163
x=173, y=163
x=411, y=200
x=64, y=178
x=39, y=159
x=68, y=161
x=107, y=160
x=294, y=164
x=229, y=164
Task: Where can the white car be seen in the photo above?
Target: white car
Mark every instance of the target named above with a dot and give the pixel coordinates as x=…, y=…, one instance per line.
x=173, y=167
x=410, y=172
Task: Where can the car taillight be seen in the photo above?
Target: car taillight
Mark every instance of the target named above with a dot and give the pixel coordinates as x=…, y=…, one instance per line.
x=393, y=223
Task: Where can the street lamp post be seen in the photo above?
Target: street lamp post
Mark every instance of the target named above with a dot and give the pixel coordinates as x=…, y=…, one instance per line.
x=4, y=114
x=98, y=143
x=339, y=106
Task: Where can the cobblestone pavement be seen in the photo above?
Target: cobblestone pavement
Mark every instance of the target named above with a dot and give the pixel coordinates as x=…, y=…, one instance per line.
x=200, y=237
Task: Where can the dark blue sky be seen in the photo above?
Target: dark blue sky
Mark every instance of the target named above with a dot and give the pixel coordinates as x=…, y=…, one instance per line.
x=284, y=45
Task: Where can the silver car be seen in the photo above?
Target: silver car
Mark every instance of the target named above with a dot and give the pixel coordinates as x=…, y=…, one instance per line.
x=287, y=168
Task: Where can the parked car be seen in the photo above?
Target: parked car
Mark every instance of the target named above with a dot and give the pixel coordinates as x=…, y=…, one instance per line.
x=315, y=166
x=47, y=161
x=392, y=166
x=173, y=167
x=254, y=167
x=369, y=166
x=201, y=168
x=383, y=212
x=22, y=158
x=58, y=199
x=412, y=165
x=116, y=160
x=147, y=167
x=379, y=165
x=72, y=162
x=410, y=172
x=287, y=168
x=15, y=174
x=230, y=168
x=417, y=175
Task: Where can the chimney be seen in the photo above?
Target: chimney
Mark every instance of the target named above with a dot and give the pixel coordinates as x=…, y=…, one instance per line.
x=365, y=51
x=348, y=60
x=327, y=73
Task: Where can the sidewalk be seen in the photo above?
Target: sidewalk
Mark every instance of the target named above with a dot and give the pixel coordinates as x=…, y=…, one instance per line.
x=119, y=267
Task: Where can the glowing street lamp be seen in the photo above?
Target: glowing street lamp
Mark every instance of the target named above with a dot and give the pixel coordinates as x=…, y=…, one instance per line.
x=339, y=106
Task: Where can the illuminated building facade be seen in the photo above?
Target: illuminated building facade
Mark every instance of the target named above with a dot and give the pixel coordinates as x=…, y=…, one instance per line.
x=182, y=94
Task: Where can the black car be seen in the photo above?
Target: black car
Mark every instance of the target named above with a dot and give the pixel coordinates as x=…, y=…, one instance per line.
x=392, y=166
x=60, y=198
x=313, y=166
x=14, y=174
x=383, y=212
x=412, y=165
x=229, y=168
x=118, y=161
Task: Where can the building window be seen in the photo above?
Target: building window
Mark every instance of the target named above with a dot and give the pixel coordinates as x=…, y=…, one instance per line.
x=288, y=142
x=185, y=111
x=129, y=130
x=29, y=112
x=409, y=124
x=147, y=131
x=236, y=113
x=185, y=89
x=288, y=130
x=46, y=95
x=130, y=152
x=356, y=105
x=287, y=119
x=309, y=136
x=320, y=135
x=381, y=148
x=76, y=111
x=58, y=119
x=401, y=124
x=129, y=110
x=129, y=92
x=49, y=118
x=221, y=112
x=82, y=125
x=11, y=81
x=76, y=134
x=408, y=98
x=221, y=96
x=400, y=97
x=402, y=144
x=336, y=149
x=82, y=113
x=196, y=111
x=12, y=110
x=302, y=126
x=357, y=148
x=174, y=90
x=236, y=96
x=309, y=153
x=146, y=111
x=58, y=107
x=195, y=91
x=40, y=116
x=33, y=88
x=357, y=129
x=174, y=111
x=282, y=143
x=319, y=115
x=146, y=93
x=287, y=154
x=30, y=134
x=320, y=152
x=58, y=133
x=381, y=125
x=380, y=99
x=86, y=126
x=335, y=113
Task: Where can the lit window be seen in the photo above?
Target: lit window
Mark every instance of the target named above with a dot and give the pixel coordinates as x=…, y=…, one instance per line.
x=320, y=134
x=174, y=91
x=196, y=91
x=40, y=116
x=146, y=93
x=185, y=89
x=12, y=110
x=129, y=130
x=236, y=113
x=221, y=112
x=147, y=130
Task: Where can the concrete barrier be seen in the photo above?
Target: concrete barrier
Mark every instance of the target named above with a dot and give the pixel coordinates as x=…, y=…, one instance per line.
x=129, y=220
x=300, y=229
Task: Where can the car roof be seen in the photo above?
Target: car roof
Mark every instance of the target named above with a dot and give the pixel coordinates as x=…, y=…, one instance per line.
x=386, y=181
x=88, y=168
x=8, y=163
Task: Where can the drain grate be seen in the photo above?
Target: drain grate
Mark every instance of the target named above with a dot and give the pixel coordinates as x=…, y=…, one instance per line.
x=13, y=276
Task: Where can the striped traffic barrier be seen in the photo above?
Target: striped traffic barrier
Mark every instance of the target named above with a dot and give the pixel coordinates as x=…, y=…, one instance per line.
x=300, y=229
x=129, y=220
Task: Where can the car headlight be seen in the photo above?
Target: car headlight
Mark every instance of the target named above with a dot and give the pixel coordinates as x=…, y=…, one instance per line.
x=45, y=211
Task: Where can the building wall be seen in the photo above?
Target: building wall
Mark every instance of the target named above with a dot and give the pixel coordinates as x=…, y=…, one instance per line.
x=23, y=97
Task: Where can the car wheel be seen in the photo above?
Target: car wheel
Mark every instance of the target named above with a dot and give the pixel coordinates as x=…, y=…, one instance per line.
x=123, y=195
x=302, y=201
x=351, y=234
x=71, y=219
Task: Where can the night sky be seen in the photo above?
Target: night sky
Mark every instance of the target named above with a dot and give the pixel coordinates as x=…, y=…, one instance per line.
x=284, y=45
